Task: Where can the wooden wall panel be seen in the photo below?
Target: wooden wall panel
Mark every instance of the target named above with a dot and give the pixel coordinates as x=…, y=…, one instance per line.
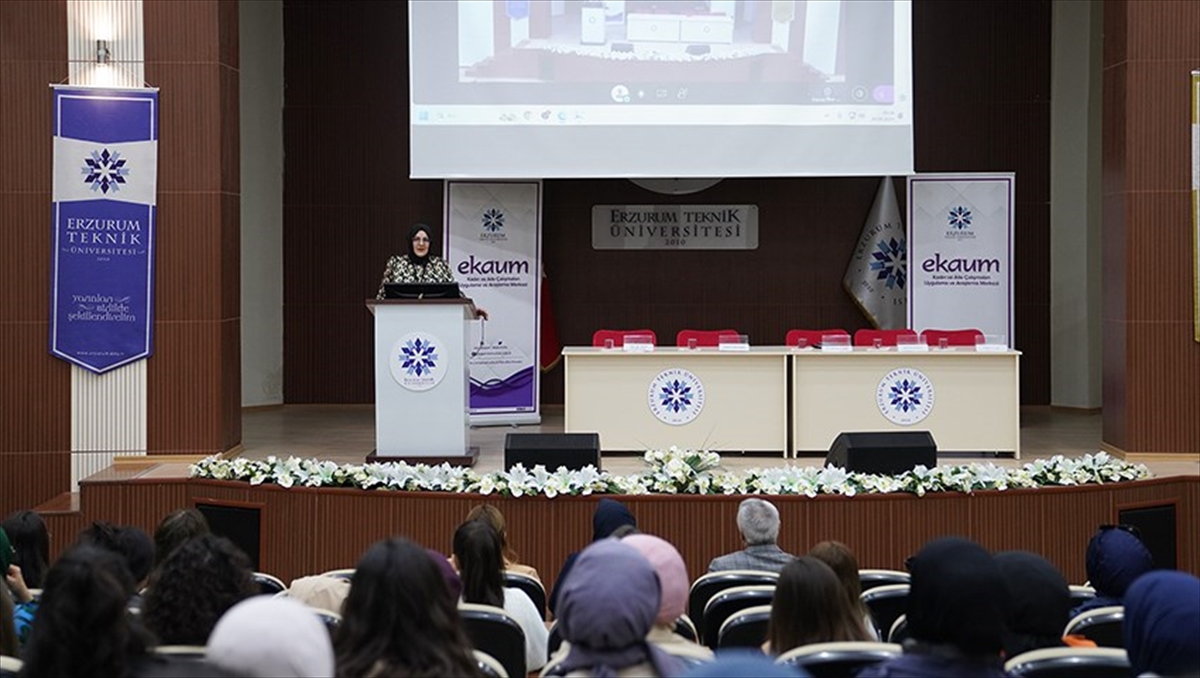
x=194, y=387
x=35, y=421
x=982, y=105
x=307, y=531
x=1151, y=363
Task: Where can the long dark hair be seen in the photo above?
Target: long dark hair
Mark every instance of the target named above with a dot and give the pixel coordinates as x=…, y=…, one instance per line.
x=31, y=544
x=194, y=586
x=400, y=619
x=841, y=560
x=478, y=551
x=83, y=628
x=175, y=529
x=810, y=606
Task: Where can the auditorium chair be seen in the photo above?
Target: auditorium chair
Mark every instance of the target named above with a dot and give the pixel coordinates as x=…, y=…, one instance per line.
x=488, y=666
x=1080, y=594
x=1102, y=625
x=899, y=632
x=686, y=629
x=838, y=660
x=599, y=337
x=330, y=619
x=492, y=630
x=885, y=603
x=812, y=337
x=867, y=336
x=182, y=652
x=1069, y=662
x=870, y=578
x=730, y=601
x=703, y=338
x=967, y=337
x=531, y=586
x=10, y=666
x=268, y=584
x=708, y=585
x=745, y=628
x=344, y=573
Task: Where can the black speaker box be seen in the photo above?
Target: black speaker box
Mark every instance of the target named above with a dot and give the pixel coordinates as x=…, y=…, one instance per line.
x=882, y=452
x=572, y=450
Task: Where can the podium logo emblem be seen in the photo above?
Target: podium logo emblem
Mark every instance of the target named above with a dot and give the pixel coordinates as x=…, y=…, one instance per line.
x=905, y=396
x=676, y=396
x=415, y=363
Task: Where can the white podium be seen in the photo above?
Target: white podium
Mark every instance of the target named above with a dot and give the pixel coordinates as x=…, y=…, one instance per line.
x=422, y=386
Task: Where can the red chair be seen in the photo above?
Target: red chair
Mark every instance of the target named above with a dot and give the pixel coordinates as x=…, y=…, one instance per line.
x=867, y=337
x=812, y=337
x=702, y=337
x=968, y=337
x=618, y=337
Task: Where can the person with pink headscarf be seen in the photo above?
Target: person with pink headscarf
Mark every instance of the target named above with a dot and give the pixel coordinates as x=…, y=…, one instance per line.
x=673, y=579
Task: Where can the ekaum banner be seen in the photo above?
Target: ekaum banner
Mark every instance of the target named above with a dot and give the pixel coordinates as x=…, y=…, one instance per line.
x=104, y=205
x=494, y=247
x=961, y=252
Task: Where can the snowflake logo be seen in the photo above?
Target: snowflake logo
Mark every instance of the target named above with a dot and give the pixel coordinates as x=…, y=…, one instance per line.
x=105, y=171
x=419, y=357
x=906, y=395
x=891, y=263
x=675, y=396
x=493, y=220
x=959, y=218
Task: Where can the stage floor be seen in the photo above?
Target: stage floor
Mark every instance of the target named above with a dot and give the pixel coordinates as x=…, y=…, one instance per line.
x=346, y=434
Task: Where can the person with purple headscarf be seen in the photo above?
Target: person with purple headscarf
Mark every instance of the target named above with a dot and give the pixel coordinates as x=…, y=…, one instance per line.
x=1162, y=624
x=1115, y=557
x=607, y=606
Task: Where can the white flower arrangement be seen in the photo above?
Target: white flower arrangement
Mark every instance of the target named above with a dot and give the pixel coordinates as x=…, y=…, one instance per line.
x=672, y=471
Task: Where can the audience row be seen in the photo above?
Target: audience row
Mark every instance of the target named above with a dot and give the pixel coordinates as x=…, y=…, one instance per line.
x=116, y=601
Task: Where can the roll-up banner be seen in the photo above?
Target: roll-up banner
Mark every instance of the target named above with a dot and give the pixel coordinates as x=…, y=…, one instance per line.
x=961, y=253
x=104, y=208
x=494, y=247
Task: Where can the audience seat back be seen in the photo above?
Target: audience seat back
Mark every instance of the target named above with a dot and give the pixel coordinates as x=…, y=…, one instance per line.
x=1102, y=625
x=871, y=578
x=1069, y=662
x=838, y=660
x=530, y=586
x=708, y=585
x=745, y=628
x=495, y=632
x=886, y=603
x=730, y=601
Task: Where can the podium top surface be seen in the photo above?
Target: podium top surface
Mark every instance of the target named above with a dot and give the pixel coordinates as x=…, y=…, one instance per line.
x=466, y=302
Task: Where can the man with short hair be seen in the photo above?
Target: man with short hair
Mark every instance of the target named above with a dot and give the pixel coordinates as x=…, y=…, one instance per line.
x=758, y=521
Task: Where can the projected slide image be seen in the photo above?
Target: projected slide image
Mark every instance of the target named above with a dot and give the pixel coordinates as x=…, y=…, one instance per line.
x=804, y=52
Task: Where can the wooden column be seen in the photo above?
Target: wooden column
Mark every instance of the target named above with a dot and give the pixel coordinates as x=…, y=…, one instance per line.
x=1151, y=361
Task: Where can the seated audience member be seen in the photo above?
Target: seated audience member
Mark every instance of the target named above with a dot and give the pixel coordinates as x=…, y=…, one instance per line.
x=267, y=637
x=841, y=560
x=320, y=592
x=194, y=586
x=19, y=605
x=31, y=546
x=956, y=612
x=1115, y=557
x=734, y=663
x=1162, y=624
x=609, y=517
x=1039, y=601
x=607, y=608
x=178, y=527
x=400, y=619
x=9, y=644
x=810, y=606
x=758, y=521
x=83, y=628
x=481, y=566
x=675, y=584
x=492, y=516
x=449, y=574
x=130, y=543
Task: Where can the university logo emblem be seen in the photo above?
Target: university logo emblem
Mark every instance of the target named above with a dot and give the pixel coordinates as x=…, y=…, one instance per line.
x=676, y=396
x=415, y=363
x=905, y=396
x=105, y=171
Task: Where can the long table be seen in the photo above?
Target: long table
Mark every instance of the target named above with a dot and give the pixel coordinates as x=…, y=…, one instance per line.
x=748, y=404
x=975, y=407
x=744, y=398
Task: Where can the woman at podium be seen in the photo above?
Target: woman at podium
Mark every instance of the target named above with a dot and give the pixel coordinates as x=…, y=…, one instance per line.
x=419, y=265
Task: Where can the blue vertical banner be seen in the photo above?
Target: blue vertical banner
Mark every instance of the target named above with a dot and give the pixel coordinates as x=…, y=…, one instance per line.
x=104, y=211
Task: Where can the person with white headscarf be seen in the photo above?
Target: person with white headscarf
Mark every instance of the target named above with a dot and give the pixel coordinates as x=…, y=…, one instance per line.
x=264, y=636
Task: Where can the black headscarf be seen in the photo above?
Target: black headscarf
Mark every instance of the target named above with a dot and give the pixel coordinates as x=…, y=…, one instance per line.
x=412, y=233
x=957, y=598
x=1039, y=602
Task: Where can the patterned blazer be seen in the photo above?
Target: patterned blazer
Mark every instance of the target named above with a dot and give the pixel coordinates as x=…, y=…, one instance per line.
x=767, y=557
x=400, y=270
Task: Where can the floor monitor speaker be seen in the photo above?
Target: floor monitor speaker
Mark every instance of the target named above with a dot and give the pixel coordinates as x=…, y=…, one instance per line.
x=572, y=450
x=882, y=452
